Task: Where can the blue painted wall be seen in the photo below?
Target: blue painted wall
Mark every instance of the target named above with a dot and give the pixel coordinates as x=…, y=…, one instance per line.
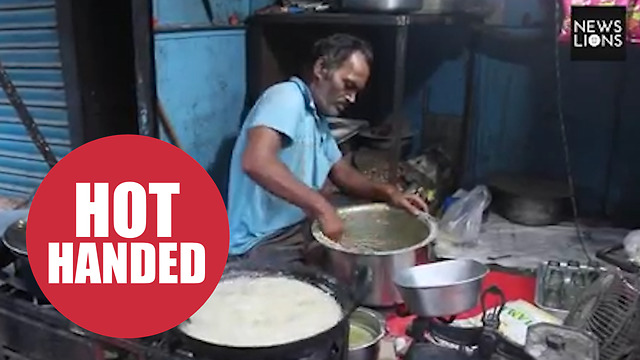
x=201, y=80
x=202, y=84
x=193, y=11
x=203, y=93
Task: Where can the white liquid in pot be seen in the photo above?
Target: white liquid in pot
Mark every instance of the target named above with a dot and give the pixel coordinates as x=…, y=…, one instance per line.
x=263, y=311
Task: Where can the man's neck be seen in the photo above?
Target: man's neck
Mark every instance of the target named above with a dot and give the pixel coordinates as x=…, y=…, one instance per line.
x=306, y=78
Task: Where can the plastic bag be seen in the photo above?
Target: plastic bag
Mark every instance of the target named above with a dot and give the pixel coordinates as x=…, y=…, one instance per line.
x=632, y=246
x=461, y=222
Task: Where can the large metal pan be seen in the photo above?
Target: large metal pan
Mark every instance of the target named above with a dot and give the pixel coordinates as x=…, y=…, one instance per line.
x=401, y=241
x=322, y=346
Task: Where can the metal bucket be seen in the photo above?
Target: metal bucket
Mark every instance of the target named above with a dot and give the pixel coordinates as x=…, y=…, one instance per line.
x=405, y=237
x=443, y=288
x=373, y=325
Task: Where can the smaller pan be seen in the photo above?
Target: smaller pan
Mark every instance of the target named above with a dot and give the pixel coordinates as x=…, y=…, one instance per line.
x=15, y=239
x=6, y=220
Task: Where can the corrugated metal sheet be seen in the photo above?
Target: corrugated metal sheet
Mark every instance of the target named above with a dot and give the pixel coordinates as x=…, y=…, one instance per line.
x=29, y=50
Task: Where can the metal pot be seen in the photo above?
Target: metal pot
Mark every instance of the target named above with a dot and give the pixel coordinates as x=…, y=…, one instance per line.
x=443, y=288
x=389, y=6
x=407, y=236
x=330, y=344
x=529, y=201
x=15, y=239
x=373, y=324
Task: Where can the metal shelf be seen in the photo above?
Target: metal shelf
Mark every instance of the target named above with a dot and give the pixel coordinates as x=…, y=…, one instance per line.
x=365, y=19
x=265, y=67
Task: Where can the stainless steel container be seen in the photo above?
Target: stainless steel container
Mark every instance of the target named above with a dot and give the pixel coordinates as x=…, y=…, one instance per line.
x=409, y=235
x=385, y=6
x=447, y=6
x=373, y=324
x=443, y=288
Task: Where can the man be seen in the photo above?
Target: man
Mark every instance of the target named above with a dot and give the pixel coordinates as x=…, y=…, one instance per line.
x=285, y=153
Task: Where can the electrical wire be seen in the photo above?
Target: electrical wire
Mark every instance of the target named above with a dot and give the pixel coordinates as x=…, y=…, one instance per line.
x=563, y=130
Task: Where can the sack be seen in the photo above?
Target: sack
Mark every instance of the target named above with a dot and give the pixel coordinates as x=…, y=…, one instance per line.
x=632, y=246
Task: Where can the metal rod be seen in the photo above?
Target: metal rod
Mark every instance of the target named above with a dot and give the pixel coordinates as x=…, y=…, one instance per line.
x=208, y=10
x=23, y=113
x=467, y=115
x=166, y=124
x=425, y=112
x=398, y=97
x=143, y=41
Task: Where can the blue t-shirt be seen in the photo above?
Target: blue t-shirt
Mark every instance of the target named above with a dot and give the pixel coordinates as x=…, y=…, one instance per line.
x=309, y=152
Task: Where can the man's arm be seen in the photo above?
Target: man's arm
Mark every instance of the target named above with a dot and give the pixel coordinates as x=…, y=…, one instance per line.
x=260, y=161
x=354, y=183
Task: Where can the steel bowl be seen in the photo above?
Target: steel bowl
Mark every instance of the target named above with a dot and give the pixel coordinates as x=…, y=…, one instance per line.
x=374, y=324
x=442, y=288
x=401, y=241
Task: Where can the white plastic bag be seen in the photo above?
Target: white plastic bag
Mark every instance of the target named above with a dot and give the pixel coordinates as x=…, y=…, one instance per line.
x=461, y=222
x=632, y=246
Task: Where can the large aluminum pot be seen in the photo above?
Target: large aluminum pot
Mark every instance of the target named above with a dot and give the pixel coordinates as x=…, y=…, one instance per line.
x=395, y=240
x=443, y=288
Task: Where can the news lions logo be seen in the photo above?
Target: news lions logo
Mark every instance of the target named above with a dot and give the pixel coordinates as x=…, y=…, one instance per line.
x=598, y=33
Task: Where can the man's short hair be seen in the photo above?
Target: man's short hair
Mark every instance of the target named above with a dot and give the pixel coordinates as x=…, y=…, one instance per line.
x=337, y=48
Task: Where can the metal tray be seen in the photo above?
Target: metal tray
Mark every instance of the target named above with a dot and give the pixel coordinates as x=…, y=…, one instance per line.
x=344, y=129
x=558, y=284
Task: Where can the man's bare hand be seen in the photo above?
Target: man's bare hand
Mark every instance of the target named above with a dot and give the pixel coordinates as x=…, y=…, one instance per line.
x=409, y=202
x=331, y=225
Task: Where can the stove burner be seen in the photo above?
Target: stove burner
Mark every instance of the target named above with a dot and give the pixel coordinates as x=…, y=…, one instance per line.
x=483, y=342
x=422, y=351
x=441, y=329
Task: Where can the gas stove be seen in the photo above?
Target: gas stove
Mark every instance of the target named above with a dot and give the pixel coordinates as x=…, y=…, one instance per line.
x=32, y=329
x=437, y=338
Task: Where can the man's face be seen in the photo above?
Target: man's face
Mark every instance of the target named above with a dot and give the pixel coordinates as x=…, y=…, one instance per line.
x=334, y=90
